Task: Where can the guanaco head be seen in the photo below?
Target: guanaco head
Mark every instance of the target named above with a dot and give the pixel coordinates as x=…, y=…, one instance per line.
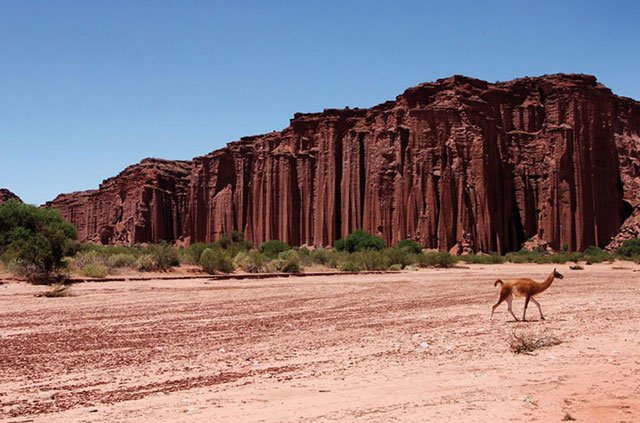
x=557, y=274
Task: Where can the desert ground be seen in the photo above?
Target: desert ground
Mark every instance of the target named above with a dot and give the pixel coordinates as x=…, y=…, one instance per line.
x=408, y=346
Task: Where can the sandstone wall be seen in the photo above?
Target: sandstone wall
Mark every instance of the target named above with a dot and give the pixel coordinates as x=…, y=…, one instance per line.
x=458, y=164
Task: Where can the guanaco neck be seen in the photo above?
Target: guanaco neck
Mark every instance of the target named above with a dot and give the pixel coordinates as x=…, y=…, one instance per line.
x=546, y=284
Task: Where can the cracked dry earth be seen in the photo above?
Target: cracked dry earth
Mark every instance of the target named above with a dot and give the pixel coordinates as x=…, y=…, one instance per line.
x=411, y=346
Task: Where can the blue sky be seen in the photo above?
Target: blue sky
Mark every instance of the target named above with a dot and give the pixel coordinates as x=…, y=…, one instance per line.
x=88, y=87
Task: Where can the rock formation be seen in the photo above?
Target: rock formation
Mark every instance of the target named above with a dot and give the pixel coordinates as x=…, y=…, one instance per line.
x=6, y=195
x=144, y=203
x=458, y=164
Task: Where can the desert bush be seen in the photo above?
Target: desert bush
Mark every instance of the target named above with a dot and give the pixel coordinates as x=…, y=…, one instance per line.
x=319, y=256
x=251, y=262
x=439, y=259
x=596, y=255
x=194, y=251
x=289, y=262
x=410, y=245
x=95, y=270
x=483, y=259
x=121, y=260
x=576, y=267
x=305, y=255
x=348, y=266
x=233, y=243
x=370, y=260
x=273, y=248
x=359, y=240
x=215, y=260
x=146, y=263
x=165, y=255
x=630, y=248
x=87, y=258
x=57, y=291
x=35, y=238
x=400, y=257
x=527, y=341
x=336, y=258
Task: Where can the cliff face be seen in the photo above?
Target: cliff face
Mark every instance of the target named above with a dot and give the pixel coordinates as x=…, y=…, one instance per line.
x=459, y=164
x=6, y=195
x=144, y=203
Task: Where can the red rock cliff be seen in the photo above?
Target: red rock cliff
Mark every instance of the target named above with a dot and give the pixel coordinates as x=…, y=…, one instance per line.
x=458, y=163
x=6, y=195
x=144, y=203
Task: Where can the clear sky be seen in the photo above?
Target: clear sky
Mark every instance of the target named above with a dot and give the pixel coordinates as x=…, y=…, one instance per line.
x=88, y=88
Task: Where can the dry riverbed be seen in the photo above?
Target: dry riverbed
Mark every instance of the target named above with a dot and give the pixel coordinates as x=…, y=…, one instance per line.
x=410, y=346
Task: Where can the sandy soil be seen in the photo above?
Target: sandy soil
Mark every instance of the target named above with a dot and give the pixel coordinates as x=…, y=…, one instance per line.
x=413, y=346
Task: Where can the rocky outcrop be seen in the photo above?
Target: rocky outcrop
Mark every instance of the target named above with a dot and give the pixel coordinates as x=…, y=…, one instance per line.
x=144, y=203
x=456, y=164
x=6, y=195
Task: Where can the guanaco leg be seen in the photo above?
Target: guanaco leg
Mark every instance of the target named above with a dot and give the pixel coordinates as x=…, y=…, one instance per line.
x=539, y=309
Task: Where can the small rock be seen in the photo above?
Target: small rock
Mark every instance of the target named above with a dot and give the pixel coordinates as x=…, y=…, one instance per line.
x=221, y=350
x=46, y=395
x=424, y=345
x=192, y=410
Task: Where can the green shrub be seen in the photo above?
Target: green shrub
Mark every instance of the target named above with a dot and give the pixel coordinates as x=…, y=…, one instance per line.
x=146, y=263
x=525, y=256
x=596, y=255
x=371, y=260
x=630, y=248
x=305, y=255
x=440, y=259
x=359, y=240
x=410, y=245
x=336, y=258
x=348, y=266
x=251, y=262
x=399, y=256
x=35, y=238
x=88, y=258
x=94, y=270
x=121, y=260
x=233, y=243
x=289, y=262
x=483, y=259
x=165, y=255
x=194, y=251
x=215, y=260
x=319, y=256
x=272, y=248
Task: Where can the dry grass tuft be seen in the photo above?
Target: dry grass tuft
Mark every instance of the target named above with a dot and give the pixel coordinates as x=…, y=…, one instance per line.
x=57, y=291
x=527, y=342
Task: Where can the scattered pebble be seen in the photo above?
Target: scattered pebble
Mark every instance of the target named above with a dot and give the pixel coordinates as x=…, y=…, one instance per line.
x=424, y=345
x=46, y=395
x=192, y=410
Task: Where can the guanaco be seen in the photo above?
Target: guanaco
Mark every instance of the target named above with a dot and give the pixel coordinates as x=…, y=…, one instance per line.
x=523, y=287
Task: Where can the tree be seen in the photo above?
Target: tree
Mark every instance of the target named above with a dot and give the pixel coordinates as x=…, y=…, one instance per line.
x=33, y=240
